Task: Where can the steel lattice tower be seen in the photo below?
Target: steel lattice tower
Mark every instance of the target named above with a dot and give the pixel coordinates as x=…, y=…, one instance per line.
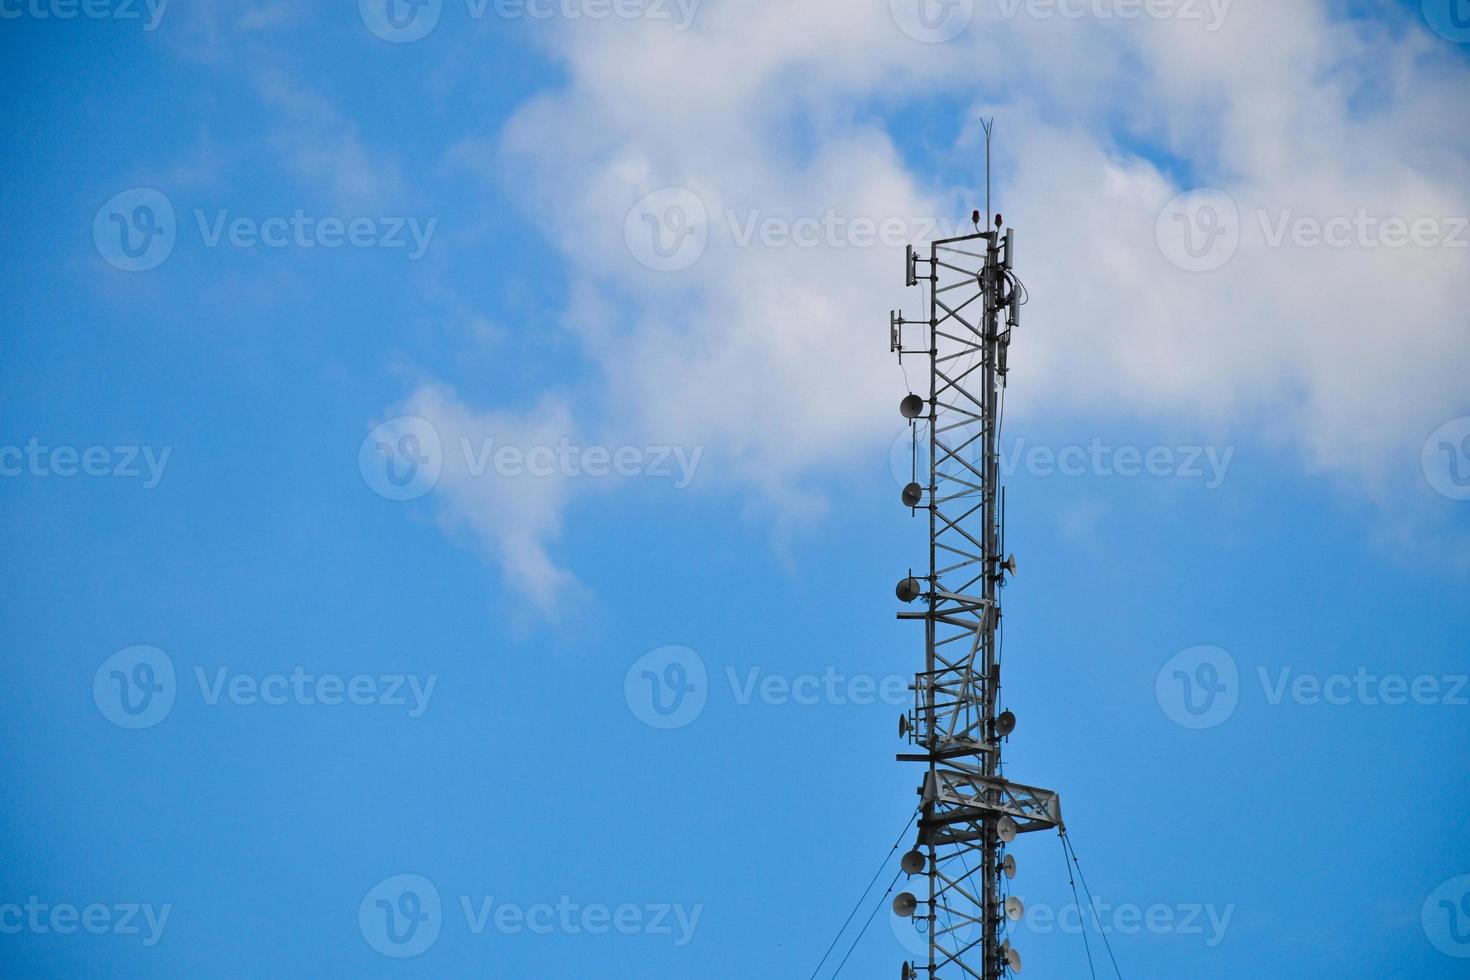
x=969, y=811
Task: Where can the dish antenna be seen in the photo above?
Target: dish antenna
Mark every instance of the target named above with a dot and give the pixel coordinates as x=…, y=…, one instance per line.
x=1010, y=565
x=1013, y=958
x=1008, y=865
x=1006, y=829
x=909, y=973
x=913, y=494
x=1005, y=724
x=1015, y=909
x=913, y=862
x=911, y=407
x=904, y=903
x=909, y=589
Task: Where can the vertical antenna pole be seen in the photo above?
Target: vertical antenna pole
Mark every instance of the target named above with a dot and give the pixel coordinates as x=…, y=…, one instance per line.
x=989, y=127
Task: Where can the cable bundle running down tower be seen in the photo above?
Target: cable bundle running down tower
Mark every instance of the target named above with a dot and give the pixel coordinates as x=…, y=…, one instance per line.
x=969, y=812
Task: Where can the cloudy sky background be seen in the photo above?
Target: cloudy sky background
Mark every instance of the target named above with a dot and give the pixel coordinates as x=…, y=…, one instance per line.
x=532, y=154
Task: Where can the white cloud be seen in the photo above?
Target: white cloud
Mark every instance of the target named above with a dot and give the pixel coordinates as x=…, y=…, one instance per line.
x=779, y=355
x=321, y=145
x=513, y=520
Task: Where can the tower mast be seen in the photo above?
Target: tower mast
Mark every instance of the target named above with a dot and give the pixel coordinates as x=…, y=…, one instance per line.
x=969, y=812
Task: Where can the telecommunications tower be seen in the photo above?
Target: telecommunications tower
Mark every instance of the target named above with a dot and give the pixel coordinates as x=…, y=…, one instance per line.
x=969, y=812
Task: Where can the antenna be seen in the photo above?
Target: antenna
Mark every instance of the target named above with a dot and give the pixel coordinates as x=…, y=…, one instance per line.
x=1012, y=958
x=970, y=813
x=989, y=127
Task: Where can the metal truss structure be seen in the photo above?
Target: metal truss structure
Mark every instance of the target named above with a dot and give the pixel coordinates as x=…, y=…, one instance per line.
x=969, y=811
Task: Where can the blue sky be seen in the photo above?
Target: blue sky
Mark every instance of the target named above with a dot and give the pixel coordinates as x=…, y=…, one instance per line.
x=192, y=483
